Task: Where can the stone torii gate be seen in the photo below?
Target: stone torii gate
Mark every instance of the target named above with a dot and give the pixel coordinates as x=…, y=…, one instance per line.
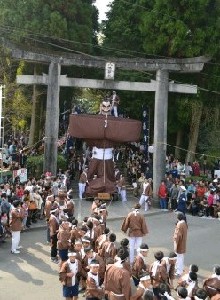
x=161, y=86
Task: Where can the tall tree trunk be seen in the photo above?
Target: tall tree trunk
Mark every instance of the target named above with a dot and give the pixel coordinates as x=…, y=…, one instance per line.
x=178, y=143
x=36, y=113
x=33, y=117
x=197, y=108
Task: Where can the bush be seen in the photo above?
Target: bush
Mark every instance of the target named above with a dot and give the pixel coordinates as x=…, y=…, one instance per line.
x=35, y=165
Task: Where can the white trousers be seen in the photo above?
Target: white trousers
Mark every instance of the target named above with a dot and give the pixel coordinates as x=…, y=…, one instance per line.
x=134, y=243
x=143, y=200
x=115, y=110
x=123, y=195
x=15, y=240
x=82, y=187
x=119, y=189
x=180, y=264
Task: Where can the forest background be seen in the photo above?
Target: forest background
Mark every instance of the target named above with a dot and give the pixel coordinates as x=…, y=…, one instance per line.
x=133, y=28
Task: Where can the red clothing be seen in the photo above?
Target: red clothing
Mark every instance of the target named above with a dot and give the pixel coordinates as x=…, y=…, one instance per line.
x=200, y=191
x=210, y=199
x=19, y=193
x=162, y=193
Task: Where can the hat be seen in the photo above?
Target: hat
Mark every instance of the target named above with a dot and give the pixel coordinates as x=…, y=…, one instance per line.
x=86, y=239
x=103, y=206
x=143, y=247
x=94, y=263
x=183, y=188
x=145, y=276
x=78, y=242
x=71, y=254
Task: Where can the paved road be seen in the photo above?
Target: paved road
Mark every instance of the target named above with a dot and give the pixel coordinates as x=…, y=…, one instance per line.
x=31, y=275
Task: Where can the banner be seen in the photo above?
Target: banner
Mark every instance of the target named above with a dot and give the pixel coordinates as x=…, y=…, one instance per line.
x=21, y=173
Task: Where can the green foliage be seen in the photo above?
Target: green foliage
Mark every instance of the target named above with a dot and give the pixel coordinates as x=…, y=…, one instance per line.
x=121, y=29
x=196, y=178
x=184, y=28
x=35, y=164
x=42, y=21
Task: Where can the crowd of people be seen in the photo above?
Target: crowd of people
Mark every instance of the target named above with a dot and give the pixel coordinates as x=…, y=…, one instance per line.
x=90, y=258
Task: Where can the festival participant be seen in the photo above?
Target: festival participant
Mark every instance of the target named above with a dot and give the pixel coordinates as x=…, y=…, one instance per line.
x=93, y=289
x=190, y=282
x=200, y=294
x=158, y=273
x=146, y=193
x=50, y=204
x=216, y=273
x=83, y=180
x=117, y=278
x=101, y=240
x=180, y=238
x=143, y=286
x=70, y=208
x=103, y=213
x=212, y=285
x=182, y=293
x=63, y=237
x=137, y=228
x=75, y=233
x=69, y=276
x=170, y=263
x=16, y=217
x=53, y=224
x=78, y=249
x=139, y=265
x=89, y=256
x=109, y=248
x=115, y=100
x=122, y=188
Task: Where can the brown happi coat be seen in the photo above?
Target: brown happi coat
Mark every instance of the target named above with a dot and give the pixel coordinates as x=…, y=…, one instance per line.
x=139, y=293
x=53, y=225
x=180, y=236
x=117, y=282
x=92, y=290
x=109, y=249
x=136, y=225
x=65, y=269
x=16, y=218
x=138, y=267
x=63, y=237
x=161, y=275
x=85, y=267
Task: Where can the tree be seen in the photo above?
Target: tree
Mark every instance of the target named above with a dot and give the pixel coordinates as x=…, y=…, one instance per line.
x=69, y=25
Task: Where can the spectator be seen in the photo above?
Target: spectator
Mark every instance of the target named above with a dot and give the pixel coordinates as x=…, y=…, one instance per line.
x=162, y=193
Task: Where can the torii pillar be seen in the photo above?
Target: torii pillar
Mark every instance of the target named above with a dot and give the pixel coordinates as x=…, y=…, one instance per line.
x=52, y=119
x=160, y=127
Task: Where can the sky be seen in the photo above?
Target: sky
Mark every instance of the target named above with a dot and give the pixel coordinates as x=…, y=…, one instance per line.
x=102, y=7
